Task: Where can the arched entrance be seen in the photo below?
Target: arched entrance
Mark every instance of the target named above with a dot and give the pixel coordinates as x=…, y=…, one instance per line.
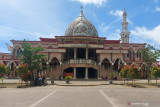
x=12, y=69
x=118, y=65
x=92, y=73
x=106, y=64
x=54, y=63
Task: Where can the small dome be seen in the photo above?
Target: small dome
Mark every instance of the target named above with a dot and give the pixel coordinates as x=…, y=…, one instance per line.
x=81, y=27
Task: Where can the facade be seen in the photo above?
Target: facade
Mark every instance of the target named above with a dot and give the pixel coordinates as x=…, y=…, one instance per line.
x=81, y=53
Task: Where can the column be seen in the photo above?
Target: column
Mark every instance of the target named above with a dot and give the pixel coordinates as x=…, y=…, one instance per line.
x=74, y=70
x=86, y=53
x=98, y=73
x=61, y=70
x=86, y=73
x=75, y=53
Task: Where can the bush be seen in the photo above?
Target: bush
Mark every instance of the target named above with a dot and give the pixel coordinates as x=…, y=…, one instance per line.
x=68, y=77
x=124, y=71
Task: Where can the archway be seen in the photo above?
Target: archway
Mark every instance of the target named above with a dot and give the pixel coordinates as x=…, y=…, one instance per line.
x=54, y=63
x=106, y=64
x=12, y=69
x=118, y=65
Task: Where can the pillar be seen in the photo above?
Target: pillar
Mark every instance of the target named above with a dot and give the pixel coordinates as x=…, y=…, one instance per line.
x=98, y=73
x=86, y=53
x=86, y=73
x=74, y=70
x=75, y=53
x=61, y=70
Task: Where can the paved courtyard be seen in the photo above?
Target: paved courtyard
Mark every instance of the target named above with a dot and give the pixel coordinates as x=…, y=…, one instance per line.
x=80, y=96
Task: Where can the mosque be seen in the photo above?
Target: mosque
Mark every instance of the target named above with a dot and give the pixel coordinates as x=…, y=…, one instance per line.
x=81, y=53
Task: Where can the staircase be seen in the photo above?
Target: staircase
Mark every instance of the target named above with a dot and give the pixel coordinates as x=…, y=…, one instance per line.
x=80, y=63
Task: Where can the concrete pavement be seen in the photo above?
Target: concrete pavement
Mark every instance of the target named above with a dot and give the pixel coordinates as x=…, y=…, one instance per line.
x=93, y=96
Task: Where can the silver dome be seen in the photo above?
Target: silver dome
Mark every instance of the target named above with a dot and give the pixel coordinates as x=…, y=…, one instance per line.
x=81, y=27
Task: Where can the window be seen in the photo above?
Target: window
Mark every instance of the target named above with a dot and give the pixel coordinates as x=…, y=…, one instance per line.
x=138, y=54
x=129, y=54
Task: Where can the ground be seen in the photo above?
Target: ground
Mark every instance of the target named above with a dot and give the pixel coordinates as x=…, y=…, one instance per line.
x=80, y=96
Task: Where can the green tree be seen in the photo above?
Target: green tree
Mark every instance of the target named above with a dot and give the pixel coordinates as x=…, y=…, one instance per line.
x=3, y=71
x=32, y=57
x=134, y=73
x=156, y=73
x=124, y=72
x=22, y=71
x=150, y=55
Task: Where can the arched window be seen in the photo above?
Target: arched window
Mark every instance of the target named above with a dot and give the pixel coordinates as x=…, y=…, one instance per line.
x=19, y=51
x=138, y=54
x=129, y=54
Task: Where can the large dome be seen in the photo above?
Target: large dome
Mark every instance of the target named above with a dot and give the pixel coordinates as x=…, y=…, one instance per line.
x=81, y=27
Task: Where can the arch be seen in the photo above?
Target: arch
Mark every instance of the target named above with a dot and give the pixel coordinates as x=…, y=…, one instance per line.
x=120, y=60
x=53, y=58
x=49, y=46
x=107, y=59
x=131, y=48
x=40, y=45
x=11, y=63
x=18, y=46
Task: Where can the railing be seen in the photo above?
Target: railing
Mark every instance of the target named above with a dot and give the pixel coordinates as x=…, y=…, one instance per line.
x=81, y=61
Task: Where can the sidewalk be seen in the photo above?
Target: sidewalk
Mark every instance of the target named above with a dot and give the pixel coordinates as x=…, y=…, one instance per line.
x=82, y=82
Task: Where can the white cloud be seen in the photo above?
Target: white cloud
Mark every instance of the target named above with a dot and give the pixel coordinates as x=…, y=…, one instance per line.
x=95, y=2
x=145, y=34
x=119, y=14
x=158, y=9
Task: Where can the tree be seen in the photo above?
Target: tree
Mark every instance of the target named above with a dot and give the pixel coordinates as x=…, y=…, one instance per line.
x=22, y=70
x=3, y=71
x=134, y=73
x=124, y=72
x=156, y=73
x=150, y=55
x=30, y=56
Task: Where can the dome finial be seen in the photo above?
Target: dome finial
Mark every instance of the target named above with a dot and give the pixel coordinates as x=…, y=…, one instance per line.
x=81, y=11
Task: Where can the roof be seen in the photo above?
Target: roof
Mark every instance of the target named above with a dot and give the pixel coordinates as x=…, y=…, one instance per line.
x=111, y=41
x=48, y=40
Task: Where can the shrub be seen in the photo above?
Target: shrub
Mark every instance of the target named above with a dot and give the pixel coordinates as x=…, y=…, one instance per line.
x=68, y=77
x=124, y=71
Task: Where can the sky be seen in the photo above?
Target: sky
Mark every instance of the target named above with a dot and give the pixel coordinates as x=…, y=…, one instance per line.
x=32, y=19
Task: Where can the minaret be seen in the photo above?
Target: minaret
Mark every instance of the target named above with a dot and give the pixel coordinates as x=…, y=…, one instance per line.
x=125, y=34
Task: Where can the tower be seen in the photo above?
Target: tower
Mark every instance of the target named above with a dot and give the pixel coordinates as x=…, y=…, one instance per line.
x=125, y=34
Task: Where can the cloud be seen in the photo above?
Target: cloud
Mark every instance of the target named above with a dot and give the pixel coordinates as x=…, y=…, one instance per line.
x=158, y=9
x=95, y=2
x=145, y=34
x=119, y=14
